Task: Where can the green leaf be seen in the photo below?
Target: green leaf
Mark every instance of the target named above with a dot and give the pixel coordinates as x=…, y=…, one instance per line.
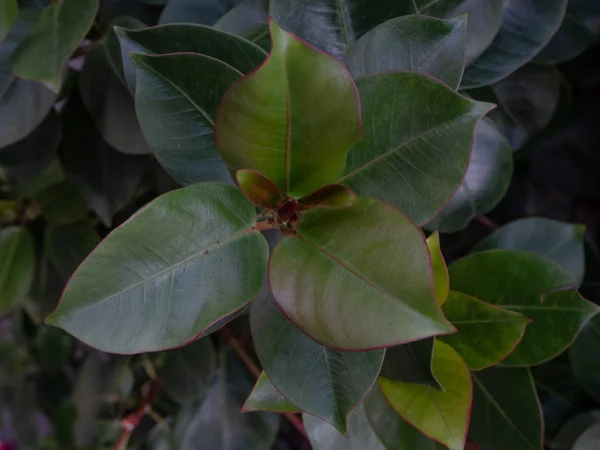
x=441, y=415
x=53, y=348
x=259, y=189
x=161, y=283
x=23, y=104
x=486, y=334
x=17, y=266
x=531, y=285
x=330, y=196
x=185, y=38
x=559, y=241
x=485, y=183
x=110, y=104
x=584, y=357
x=411, y=363
x=249, y=19
x=332, y=278
x=441, y=280
x=47, y=47
x=188, y=372
x=338, y=380
x=417, y=142
x=205, y=12
x=175, y=107
x=590, y=439
x=392, y=430
x=323, y=436
x=9, y=14
x=61, y=203
x=264, y=397
x=414, y=44
x=68, y=245
x=506, y=411
x=112, y=45
x=527, y=26
x=268, y=121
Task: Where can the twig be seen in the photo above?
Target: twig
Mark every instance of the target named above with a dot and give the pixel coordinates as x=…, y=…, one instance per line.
x=485, y=220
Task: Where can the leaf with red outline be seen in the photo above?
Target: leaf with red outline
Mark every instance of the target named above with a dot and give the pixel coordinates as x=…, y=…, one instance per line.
x=440, y=415
x=259, y=189
x=294, y=119
x=331, y=196
x=440, y=271
x=357, y=278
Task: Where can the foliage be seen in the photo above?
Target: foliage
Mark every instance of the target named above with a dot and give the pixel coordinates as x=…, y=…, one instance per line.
x=218, y=215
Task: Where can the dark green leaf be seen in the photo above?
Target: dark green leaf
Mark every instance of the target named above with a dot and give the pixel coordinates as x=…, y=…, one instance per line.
x=61, y=203
x=338, y=380
x=527, y=26
x=188, y=372
x=264, y=397
x=53, y=348
x=68, y=245
x=414, y=44
x=112, y=46
x=418, y=138
x=249, y=19
x=268, y=121
x=561, y=242
x=232, y=50
x=440, y=271
x=9, y=13
x=176, y=99
x=487, y=179
x=584, y=357
x=110, y=105
x=330, y=196
x=361, y=436
x=205, y=12
x=332, y=278
x=411, y=363
x=155, y=283
x=259, y=189
x=440, y=415
x=17, y=266
x=47, y=47
x=506, y=411
x=486, y=334
x=531, y=285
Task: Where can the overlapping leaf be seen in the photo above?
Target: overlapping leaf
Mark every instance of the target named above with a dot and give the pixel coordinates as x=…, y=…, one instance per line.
x=17, y=266
x=411, y=363
x=9, y=13
x=584, y=357
x=264, y=397
x=440, y=271
x=249, y=19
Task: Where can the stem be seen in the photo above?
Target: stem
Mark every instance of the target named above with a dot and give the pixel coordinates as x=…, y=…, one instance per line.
x=485, y=220
x=149, y=368
x=262, y=226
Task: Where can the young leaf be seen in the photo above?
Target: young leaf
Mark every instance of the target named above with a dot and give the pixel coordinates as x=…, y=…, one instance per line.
x=486, y=334
x=47, y=47
x=264, y=397
x=9, y=13
x=332, y=278
x=331, y=196
x=176, y=98
x=186, y=38
x=68, y=245
x=413, y=44
x=269, y=122
x=440, y=271
x=411, y=363
x=338, y=380
x=259, y=189
x=360, y=436
x=169, y=273
x=506, y=411
x=417, y=145
x=17, y=266
x=561, y=242
x=527, y=26
x=531, y=285
x=441, y=415
x=584, y=357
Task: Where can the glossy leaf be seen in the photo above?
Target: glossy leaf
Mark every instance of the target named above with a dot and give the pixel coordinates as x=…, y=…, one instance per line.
x=110, y=105
x=205, y=12
x=533, y=286
x=414, y=44
x=264, y=397
x=559, y=241
x=68, y=245
x=506, y=411
x=160, y=286
x=185, y=38
x=538, y=20
x=188, y=372
x=486, y=334
x=249, y=19
x=584, y=357
x=9, y=13
x=297, y=146
x=418, y=138
x=23, y=104
x=259, y=189
x=323, y=436
x=411, y=363
x=331, y=196
x=47, y=47
x=17, y=266
x=176, y=111
x=293, y=361
x=485, y=183
x=440, y=271
x=332, y=278
x=441, y=415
